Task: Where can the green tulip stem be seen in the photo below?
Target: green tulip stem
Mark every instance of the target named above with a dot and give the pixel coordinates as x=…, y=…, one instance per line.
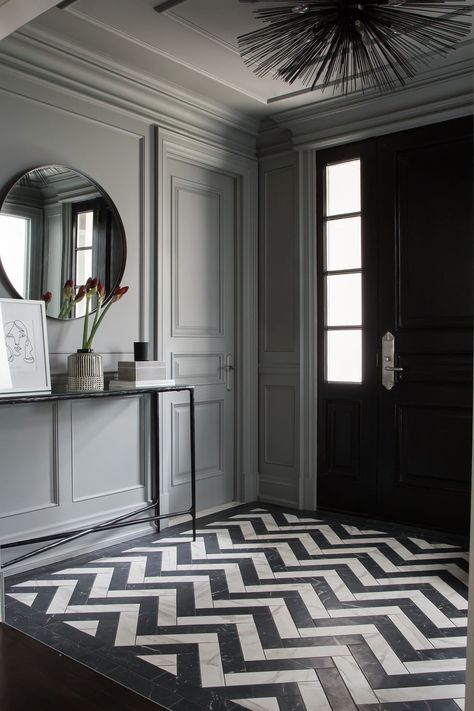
x=99, y=317
x=86, y=322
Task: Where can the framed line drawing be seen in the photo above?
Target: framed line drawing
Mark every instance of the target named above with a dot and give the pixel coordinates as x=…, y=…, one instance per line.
x=24, y=356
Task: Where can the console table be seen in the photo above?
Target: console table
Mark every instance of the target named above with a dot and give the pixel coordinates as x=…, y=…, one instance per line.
x=153, y=392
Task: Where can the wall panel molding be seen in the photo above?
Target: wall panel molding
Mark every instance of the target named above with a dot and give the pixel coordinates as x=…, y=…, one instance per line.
x=209, y=458
x=50, y=455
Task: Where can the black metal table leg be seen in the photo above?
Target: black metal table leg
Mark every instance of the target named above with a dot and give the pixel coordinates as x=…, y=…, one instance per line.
x=193, y=458
x=155, y=454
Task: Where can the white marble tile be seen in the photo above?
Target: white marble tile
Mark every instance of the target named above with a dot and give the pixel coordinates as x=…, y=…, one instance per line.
x=202, y=594
x=365, y=611
x=448, y=642
x=198, y=549
x=177, y=638
x=436, y=665
x=355, y=680
x=127, y=628
x=420, y=693
x=270, y=677
x=313, y=696
x=250, y=643
x=460, y=703
x=330, y=650
x=210, y=664
x=459, y=621
x=338, y=630
x=167, y=610
x=265, y=703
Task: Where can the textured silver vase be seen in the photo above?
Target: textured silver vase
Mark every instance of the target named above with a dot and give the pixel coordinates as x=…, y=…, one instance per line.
x=84, y=371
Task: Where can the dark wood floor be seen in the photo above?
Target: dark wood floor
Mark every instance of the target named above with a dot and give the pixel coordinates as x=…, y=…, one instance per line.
x=34, y=676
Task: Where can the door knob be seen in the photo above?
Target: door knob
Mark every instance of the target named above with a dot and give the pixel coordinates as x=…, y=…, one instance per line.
x=228, y=369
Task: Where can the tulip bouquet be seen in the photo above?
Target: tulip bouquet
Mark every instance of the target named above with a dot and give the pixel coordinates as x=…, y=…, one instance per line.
x=91, y=289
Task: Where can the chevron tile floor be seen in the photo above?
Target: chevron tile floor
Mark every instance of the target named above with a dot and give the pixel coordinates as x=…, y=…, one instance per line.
x=269, y=610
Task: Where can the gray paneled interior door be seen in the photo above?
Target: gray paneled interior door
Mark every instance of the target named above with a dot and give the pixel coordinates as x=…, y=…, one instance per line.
x=199, y=324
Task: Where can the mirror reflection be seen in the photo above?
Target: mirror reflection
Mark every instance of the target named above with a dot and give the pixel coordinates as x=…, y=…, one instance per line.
x=57, y=225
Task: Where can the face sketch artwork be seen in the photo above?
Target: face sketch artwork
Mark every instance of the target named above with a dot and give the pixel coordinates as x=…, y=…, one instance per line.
x=18, y=342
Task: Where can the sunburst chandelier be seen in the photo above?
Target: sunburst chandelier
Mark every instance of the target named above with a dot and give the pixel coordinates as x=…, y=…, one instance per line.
x=350, y=45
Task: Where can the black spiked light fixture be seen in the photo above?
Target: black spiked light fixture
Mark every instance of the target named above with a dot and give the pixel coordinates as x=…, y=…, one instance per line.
x=350, y=44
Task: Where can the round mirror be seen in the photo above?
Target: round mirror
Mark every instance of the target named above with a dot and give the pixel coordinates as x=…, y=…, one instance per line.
x=57, y=226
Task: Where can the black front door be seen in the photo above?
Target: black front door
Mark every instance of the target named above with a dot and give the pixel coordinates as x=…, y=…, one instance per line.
x=399, y=449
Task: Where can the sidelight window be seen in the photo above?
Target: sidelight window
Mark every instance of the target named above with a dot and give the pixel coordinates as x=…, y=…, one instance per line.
x=83, y=251
x=342, y=273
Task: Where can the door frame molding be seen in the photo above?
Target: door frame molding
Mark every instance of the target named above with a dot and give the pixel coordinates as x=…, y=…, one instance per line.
x=170, y=145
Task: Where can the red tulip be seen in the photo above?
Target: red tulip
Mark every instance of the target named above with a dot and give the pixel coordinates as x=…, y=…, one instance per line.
x=91, y=286
x=101, y=291
x=119, y=292
x=68, y=289
x=81, y=292
x=46, y=297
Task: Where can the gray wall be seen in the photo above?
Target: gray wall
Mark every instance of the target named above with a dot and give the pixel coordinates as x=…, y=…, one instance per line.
x=279, y=330
x=68, y=465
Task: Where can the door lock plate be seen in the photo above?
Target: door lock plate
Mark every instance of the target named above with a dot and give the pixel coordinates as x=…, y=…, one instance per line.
x=388, y=355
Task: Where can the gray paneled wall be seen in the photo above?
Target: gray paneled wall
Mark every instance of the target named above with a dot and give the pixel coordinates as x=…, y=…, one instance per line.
x=68, y=465
x=279, y=331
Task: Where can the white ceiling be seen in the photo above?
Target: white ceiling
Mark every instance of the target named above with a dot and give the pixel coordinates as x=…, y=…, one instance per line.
x=16, y=13
x=192, y=45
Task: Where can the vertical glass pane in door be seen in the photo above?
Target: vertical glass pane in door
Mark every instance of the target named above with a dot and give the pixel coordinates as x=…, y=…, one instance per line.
x=344, y=356
x=343, y=300
x=343, y=241
x=343, y=188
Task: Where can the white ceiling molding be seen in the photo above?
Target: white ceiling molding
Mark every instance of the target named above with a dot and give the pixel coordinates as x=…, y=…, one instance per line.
x=434, y=96
x=67, y=68
x=16, y=13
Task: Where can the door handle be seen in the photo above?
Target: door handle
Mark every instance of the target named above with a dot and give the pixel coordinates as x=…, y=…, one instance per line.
x=388, y=360
x=228, y=369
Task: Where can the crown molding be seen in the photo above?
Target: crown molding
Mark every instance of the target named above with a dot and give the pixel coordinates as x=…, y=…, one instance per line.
x=44, y=57
x=174, y=57
x=433, y=97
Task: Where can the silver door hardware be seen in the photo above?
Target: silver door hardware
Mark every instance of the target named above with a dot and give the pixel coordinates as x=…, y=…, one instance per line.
x=388, y=360
x=229, y=369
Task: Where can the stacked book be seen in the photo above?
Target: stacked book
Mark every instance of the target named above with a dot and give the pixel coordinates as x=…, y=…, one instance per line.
x=140, y=374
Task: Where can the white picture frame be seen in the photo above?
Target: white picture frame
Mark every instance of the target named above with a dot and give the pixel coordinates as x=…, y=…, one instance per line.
x=24, y=355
